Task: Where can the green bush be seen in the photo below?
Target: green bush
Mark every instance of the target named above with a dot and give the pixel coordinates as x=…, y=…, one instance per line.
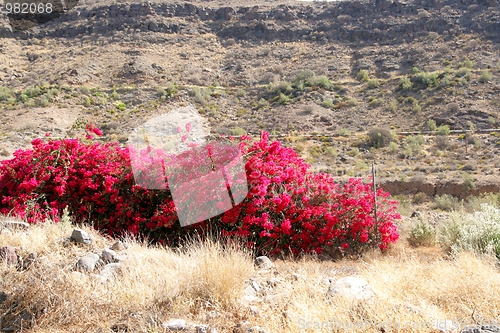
x=362, y=75
x=375, y=102
x=413, y=144
x=327, y=103
x=344, y=132
x=5, y=93
x=304, y=75
x=33, y=92
x=443, y=130
x=405, y=84
x=422, y=234
x=238, y=131
x=478, y=232
x=393, y=147
x=464, y=73
x=431, y=125
x=446, y=202
x=427, y=79
x=115, y=95
x=379, y=137
x=240, y=93
x=372, y=83
x=485, y=76
x=283, y=99
x=85, y=90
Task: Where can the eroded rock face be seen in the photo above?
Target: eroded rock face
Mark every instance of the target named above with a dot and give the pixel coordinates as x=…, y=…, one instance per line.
x=377, y=21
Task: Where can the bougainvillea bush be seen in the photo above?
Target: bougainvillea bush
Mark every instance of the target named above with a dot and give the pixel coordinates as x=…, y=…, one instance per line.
x=287, y=209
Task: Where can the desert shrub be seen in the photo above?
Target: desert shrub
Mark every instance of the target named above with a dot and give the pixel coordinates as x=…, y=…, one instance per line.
x=343, y=132
x=372, y=83
x=405, y=84
x=287, y=208
x=240, y=93
x=419, y=198
x=393, y=147
x=427, y=79
x=262, y=103
x=5, y=93
x=238, y=131
x=327, y=103
x=478, y=232
x=443, y=130
x=453, y=107
x=469, y=182
x=431, y=125
x=413, y=144
x=320, y=81
x=464, y=73
x=84, y=89
x=474, y=203
x=441, y=142
x=283, y=99
x=393, y=105
x=33, y=92
x=304, y=75
x=379, y=137
x=43, y=101
x=446, y=202
x=485, y=76
x=116, y=96
x=362, y=75
x=467, y=63
x=351, y=101
x=422, y=234
x=375, y=102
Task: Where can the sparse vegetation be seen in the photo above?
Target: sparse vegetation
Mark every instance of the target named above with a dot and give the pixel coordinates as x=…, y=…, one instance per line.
x=422, y=234
x=379, y=137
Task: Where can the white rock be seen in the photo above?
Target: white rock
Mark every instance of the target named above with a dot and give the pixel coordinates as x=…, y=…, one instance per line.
x=352, y=287
x=110, y=271
x=88, y=263
x=175, y=325
x=264, y=262
x=109, y=256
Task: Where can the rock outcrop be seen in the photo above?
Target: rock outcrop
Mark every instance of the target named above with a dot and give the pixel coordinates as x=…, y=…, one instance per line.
x=379, y=21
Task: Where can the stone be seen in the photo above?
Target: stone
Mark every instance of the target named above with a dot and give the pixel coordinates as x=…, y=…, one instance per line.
x=109, y=256
x=201, y=328
x=352, y=287
x=8, y=254
x=3, y=297
x=264, y=262
x=110, y=271
x=175, y=325
x=118, y=246
x=416, y=214
x=16, y=225
x=481, y=329
x=254, y=310
x=81, y=236
x=256, y=329
x=30, y=260
x=89, y=262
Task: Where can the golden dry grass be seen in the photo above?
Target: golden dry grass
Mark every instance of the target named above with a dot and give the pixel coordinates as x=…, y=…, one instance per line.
x=204, y=282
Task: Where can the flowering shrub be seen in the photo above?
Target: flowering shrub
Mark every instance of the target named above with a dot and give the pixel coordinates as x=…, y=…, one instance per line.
x=287, y=207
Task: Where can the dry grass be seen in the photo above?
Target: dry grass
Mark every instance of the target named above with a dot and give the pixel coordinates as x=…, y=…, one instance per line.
x=203, y=283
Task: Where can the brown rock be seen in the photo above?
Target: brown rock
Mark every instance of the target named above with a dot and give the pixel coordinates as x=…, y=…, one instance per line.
x=8, y=254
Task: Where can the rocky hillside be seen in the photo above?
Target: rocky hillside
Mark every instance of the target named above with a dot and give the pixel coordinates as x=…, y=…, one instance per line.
x=295, y=69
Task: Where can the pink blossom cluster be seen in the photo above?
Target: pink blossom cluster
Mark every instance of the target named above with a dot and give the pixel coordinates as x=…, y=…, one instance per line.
x=287, y=208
